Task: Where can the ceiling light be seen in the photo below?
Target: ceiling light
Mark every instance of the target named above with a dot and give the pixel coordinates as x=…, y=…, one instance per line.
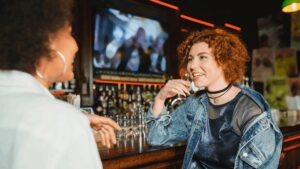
x=290, y=6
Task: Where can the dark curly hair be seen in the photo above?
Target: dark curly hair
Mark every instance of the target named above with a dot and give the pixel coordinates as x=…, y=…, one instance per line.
x=229, y=51
x=25, y=30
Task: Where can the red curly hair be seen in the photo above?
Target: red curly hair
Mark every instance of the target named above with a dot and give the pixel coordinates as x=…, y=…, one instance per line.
x=230, y=52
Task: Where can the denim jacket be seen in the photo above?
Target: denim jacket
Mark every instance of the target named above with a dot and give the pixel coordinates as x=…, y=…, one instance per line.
x=260, y=144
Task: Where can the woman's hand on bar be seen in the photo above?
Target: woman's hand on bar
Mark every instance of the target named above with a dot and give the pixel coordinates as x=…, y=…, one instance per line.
x=105, y=128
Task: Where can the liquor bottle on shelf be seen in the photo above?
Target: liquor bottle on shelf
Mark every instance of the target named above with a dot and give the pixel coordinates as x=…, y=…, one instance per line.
x=101, y=108
x=111, y=102
x=125, y=93
x=139, y=97
x=133, y=93
x=124, y=106
x=147, y=97
x=130, y=109
x=120, y=97
x=98, y=100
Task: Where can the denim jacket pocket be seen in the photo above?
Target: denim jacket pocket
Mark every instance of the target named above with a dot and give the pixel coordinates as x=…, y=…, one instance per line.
x=252, y=155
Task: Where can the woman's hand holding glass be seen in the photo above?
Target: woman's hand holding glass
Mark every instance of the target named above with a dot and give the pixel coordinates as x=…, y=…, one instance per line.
x=174, y=87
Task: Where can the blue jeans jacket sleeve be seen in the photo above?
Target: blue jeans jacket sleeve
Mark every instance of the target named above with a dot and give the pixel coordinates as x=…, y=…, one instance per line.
x=262, y=146
x=168, y=128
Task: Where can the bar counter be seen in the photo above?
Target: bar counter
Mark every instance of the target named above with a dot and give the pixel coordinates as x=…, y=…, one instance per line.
x=290, y=127
x=136, y=153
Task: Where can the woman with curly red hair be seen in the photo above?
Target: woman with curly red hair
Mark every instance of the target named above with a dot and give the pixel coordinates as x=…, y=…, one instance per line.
x=226, y=125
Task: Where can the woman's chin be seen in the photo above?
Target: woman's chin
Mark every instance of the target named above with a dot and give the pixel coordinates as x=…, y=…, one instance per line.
x=199, y=85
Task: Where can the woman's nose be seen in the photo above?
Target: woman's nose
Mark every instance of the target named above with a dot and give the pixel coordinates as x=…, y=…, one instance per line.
x=193, y=64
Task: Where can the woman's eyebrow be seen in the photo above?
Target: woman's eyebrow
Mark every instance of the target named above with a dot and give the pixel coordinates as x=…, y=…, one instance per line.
x=201, y=53
x=198, y=54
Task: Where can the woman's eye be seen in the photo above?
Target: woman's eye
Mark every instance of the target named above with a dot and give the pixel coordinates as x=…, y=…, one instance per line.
x=202, y=57
x=190, y=59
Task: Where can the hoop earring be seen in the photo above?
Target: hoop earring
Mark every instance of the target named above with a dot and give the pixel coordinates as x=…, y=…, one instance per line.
x=41, y=76
x=63, y=58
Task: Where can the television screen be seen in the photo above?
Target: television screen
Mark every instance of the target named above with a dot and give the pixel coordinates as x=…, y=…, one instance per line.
x=128, y=43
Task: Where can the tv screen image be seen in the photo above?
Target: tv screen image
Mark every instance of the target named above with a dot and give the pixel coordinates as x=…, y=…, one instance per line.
x=128, y=43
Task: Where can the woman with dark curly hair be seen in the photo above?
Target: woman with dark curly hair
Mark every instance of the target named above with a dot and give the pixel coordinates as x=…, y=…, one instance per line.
x=36, y=130
x=226, y=125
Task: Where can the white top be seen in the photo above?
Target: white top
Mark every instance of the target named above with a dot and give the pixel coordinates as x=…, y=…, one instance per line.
x=38, y=131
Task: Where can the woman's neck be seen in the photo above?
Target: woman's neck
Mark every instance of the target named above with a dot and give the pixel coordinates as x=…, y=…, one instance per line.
x=224, y=97
x=219, y=91
x=42, y=82
x=217, y=85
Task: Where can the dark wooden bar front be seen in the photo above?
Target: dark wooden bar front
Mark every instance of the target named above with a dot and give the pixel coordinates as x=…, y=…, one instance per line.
x=290, y=127
x=136, y=153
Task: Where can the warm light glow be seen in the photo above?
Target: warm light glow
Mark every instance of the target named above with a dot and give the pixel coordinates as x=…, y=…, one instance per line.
x=58, y=92
x=197, y=20
x=291, y=138
x=294, y=6
x=289, y=6
x=165, y=4
x=232, y=26
x=128, y=83
x=184, y=30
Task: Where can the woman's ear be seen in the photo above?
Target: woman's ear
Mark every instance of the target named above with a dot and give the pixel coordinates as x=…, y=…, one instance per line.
x=39, y=65
x=44, y=61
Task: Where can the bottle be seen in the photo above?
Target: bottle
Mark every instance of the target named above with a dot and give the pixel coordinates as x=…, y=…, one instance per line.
x=139, y=98
x=111, y=102
x=99, y=100
x=147, y=97
x=120, y=98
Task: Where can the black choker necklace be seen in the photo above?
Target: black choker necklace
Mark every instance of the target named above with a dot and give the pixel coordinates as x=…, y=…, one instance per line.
x=219, y=91
x=216, y=97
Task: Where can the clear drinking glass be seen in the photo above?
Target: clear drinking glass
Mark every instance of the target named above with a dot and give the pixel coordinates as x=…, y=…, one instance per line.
x=178, y=99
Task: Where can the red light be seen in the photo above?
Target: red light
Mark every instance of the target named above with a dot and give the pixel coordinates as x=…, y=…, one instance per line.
x=165, y=4
x=232, y=27
x=197, y=20
x=128, y=82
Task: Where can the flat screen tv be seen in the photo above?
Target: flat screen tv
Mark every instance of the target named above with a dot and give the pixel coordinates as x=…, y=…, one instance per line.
x=125, y=42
